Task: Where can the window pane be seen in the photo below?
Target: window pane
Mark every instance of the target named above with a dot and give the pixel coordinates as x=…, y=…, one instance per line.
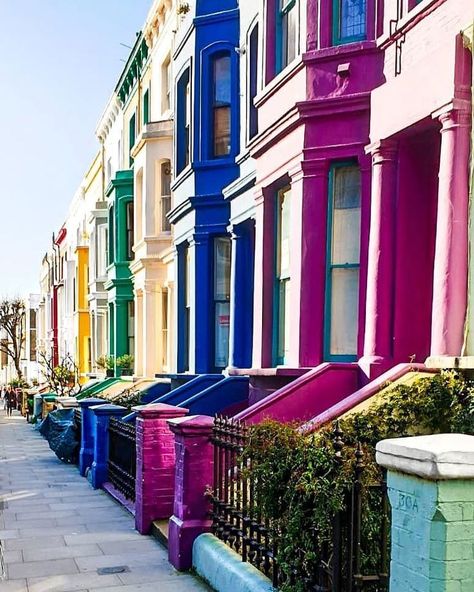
x=352, y=18
x=130, y=225
x=283, y=321
x=187, y=273
x=253, y=82
x=222, y=334
x=283, y=239
x=131, y=318
x=346, y=216
x=289, y=32
x=165, y=195
x=221, y=131
x=222, y=268
x=344, y=311
x=222, y=79
x=187, y=138
x=164, y=326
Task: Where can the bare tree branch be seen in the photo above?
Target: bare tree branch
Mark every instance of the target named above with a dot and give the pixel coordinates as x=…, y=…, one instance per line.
x=63, y=379
x=12, y=322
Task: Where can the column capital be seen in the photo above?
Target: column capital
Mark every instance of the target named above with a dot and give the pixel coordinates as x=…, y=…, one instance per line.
x=453, y=115
x=382, y=151
x=315, y=168
x=199, y=238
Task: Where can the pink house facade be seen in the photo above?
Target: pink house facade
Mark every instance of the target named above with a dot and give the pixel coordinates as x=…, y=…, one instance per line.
x=420, y=157
x=361, y=208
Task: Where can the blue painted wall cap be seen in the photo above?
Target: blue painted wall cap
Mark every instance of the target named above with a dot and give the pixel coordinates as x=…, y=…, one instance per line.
x=89, y=402
x=109, y=409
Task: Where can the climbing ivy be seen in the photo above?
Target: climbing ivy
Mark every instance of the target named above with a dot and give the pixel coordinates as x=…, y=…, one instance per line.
x=302, y=481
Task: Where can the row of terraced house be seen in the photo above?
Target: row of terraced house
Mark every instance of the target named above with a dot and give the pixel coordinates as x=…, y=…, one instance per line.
x=281, y=193
x=277, y=222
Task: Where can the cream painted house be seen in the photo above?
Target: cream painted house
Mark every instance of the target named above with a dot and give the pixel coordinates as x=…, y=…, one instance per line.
x=153, y=266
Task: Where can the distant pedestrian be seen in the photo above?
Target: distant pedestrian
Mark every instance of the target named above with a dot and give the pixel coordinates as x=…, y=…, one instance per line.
x=11, y=400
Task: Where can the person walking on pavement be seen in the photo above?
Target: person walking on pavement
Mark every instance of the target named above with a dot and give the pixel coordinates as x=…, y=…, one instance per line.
x=11, y=400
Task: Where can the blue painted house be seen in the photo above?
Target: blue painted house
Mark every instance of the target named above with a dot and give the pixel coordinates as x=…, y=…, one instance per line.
x=207, y=138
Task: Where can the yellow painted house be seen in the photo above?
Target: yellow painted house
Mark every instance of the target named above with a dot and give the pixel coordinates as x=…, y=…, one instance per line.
x=91, y=192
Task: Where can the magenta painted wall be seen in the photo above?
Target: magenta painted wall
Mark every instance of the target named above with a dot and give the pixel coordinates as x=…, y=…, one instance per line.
x=415, y=241
x=154, y=486
x=338, y=409
x=301, y=141
x=306, y=396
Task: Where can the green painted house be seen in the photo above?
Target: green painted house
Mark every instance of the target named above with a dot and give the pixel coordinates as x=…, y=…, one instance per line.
x=120, y=253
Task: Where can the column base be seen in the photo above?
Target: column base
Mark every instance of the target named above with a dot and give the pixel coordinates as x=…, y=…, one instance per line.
x=98, y=475
x=86, y=457
x=181, y=536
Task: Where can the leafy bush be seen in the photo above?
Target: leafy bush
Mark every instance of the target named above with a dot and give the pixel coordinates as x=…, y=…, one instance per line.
x=19, y=383
x=125, y=361
x=106, y=362
x=303, y=481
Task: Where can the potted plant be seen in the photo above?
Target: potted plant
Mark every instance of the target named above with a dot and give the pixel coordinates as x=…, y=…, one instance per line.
x=125, y=363
x=107, y=363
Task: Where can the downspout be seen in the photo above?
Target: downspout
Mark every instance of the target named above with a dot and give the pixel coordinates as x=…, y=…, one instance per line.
x=102, y=162
x=468, y=349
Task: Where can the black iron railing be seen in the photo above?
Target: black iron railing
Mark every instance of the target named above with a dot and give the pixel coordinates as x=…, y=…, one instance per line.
x=122, y=457
x=78, y=427
x=238, y=521
x=78, y=420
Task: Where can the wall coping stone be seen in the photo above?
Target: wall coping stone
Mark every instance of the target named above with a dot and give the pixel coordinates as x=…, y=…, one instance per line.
x=159, y=410
x=91, y=401
x=108, y=409
x=434, y=457
x=224, y=569
x=192, y=424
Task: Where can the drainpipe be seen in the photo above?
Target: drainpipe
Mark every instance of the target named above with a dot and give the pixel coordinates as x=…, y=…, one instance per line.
x=468, y=349
x=102, y=160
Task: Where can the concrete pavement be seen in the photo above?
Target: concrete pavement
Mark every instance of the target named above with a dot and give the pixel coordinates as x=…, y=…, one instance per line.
x=59, y=535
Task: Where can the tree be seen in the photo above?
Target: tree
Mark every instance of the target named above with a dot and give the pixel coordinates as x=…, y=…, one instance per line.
x=63, y=379
x=12, y=322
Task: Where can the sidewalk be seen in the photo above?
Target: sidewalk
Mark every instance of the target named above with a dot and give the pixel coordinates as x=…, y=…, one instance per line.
x=58, y=534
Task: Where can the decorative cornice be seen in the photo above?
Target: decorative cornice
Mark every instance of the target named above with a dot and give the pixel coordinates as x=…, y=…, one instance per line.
x=159, y=14
x=107, y=118
x=133, y=68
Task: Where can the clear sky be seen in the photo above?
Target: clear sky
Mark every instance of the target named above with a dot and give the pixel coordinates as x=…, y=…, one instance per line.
x=59, y=62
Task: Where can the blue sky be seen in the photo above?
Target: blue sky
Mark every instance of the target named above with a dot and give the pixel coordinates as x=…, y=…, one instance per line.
x=59, y=62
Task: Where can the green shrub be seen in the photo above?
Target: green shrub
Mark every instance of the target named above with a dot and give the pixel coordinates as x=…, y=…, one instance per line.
x=303, y=481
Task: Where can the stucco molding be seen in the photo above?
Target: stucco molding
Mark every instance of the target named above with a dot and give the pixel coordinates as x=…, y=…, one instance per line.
x=383, y=151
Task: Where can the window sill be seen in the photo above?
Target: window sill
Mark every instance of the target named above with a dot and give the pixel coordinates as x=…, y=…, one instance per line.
x=407, y=22
x=216, y=163
x=279, y=81
x=182, y=176
x=336, y=51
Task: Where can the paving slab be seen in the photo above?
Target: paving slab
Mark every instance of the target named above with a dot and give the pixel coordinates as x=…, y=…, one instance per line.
x=57, y=533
